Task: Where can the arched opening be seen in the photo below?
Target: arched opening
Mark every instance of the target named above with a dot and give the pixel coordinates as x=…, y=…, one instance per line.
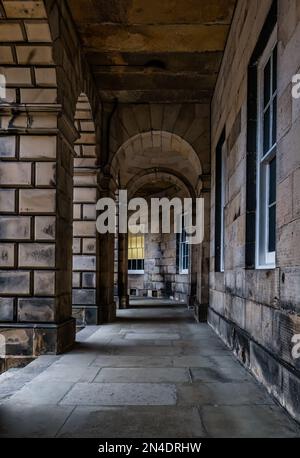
x=156, y=165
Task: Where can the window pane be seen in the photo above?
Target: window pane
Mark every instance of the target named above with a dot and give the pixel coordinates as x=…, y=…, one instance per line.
x=272, y=181
x=266, y=131
x=272, y=229
x=274, y=125
x=274, y=71
x=267, y=80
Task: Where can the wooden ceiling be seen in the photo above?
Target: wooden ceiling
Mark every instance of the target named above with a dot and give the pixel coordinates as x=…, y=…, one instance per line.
x=154, y=50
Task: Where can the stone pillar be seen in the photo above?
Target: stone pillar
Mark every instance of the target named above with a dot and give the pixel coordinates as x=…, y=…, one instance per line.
x=36, y=230
x=200, y=261
x=105, y=268
x=123, y=271
x=84, y=216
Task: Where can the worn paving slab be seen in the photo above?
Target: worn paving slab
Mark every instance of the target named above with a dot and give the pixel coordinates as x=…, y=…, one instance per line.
x=143, y=375
x=141, y=422
x=50, y=392
x=127, y=394
x=31, y=421
x=258, y=421
x=220, y=393
x=154, y=373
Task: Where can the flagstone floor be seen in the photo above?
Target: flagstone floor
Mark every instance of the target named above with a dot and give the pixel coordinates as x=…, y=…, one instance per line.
x=154, y=373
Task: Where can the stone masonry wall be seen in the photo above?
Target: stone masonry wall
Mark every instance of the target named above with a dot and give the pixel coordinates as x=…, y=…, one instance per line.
x=257, y=312
x=45, y=73
x=161, y=275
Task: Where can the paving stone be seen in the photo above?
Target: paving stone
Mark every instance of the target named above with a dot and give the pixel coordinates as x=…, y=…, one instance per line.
x=142, y=375
x=218, y=374
x=41, y=393
x=132, y=361
x=32, y=421
x=110, y=394
x=231, y=393
x=152, y=336
x=145, y=422
x=248, y=421
x=67, y=373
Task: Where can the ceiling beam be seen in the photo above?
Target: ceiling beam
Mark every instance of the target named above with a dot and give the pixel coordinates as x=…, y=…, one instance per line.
x=157, y=96
x=159, y=12
x=154, y=38
x=152, y=81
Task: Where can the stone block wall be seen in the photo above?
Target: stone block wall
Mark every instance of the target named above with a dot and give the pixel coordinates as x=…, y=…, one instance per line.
x=257, y=312
x=45, y=73
x=161, y=277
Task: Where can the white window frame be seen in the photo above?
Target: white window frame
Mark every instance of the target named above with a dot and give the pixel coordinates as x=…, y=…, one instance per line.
x=264, y=258
x=183, y=271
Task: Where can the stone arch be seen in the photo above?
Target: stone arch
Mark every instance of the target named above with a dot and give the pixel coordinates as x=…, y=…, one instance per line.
x=189, y=121
x=156, y=149
x=138, y=181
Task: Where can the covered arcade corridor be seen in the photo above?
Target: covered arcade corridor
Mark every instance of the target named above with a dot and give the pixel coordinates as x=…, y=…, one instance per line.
x=160, y=100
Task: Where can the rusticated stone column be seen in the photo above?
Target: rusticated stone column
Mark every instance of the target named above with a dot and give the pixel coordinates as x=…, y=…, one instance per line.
x=200, y=262
x=105, y=267
x=123, y=271
x=36, y=232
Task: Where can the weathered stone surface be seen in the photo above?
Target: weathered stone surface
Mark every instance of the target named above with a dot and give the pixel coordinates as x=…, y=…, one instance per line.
x=121, y=394
x=84, y=296
x=45, y=227
x=84, y=228
x=37, y=201
x=14, y=282
x=36, y=310
x=7, y=255
x=36, y=255
x=44, y=283
x=88, y=280
x=45, y=173
x=37, y=147
x=7, y=146
x=15, y=173
x=14, y=228
x=7, y=200
x=84, y=262
x=6, y=309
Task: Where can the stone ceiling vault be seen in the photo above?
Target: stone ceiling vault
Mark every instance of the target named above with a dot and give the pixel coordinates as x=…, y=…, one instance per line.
x=150, y=51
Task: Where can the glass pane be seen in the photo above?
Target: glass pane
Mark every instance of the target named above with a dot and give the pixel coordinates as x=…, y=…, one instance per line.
x=267, y=80
x=272, y=181
x=272, y=229
x=274, y=71
x=266, y=131
x=274, y=124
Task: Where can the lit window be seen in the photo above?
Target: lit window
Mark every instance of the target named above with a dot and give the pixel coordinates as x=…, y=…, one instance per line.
x=266, y=158
x=136, y=253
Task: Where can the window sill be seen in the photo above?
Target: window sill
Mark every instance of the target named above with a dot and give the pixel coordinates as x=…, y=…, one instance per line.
x=136, y=272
